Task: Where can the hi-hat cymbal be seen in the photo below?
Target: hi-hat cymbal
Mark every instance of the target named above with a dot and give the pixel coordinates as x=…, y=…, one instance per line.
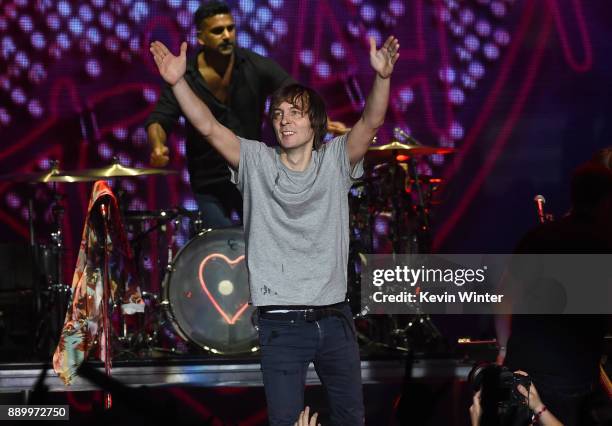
x=412, y=149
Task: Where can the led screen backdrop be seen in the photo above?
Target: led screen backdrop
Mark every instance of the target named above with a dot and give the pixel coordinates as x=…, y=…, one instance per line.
x=520, y=89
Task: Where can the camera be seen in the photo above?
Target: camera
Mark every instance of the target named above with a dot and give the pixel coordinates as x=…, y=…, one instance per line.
x=501, y=402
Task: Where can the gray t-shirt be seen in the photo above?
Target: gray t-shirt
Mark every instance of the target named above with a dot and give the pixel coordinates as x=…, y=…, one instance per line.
x=296, y=224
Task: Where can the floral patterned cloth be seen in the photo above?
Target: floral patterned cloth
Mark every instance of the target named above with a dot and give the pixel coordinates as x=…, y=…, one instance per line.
x=87, y=319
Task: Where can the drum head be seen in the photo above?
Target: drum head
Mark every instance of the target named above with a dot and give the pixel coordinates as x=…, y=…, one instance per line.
x=207, y=293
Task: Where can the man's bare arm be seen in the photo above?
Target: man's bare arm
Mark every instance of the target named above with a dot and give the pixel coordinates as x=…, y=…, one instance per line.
x=159, y=151
x=373, y=116
x=172, y=69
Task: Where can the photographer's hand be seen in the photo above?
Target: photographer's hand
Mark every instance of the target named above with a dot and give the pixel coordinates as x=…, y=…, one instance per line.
x=542, y=415
x=475, y=409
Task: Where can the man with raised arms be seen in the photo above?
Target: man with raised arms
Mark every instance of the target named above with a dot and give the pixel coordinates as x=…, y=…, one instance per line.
x=297, y=233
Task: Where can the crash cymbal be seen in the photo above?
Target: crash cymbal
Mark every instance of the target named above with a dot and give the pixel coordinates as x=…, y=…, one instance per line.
x=118, y=170
x=411, y=149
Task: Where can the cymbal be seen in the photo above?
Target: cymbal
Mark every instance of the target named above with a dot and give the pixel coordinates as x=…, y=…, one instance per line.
x=117, y=170
x=53, y=175
x=411, y=149
x=86, y=175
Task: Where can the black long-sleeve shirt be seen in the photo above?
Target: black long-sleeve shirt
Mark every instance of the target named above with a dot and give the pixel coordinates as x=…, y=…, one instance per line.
x=254, y=78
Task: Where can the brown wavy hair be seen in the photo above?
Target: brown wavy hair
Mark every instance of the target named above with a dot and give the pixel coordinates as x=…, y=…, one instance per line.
x=308, y=101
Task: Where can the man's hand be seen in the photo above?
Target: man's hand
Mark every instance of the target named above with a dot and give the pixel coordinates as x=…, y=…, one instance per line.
x=160, y=156
x=384, y=59
x=171, y=68
x=303, y=419
x=475, y=409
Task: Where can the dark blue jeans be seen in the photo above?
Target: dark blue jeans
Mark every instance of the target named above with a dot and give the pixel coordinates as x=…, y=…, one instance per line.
x=287, y=349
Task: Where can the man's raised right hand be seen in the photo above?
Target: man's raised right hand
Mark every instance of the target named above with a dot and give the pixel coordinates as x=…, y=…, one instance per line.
x=171, y=68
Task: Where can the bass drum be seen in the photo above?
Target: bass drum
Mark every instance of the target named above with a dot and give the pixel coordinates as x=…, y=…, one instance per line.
x=206, y=293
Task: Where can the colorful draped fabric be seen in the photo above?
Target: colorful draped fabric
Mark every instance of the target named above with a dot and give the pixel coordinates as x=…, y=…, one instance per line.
x=87, y=319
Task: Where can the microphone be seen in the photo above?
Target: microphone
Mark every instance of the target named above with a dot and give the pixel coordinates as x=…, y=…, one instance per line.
x=406, y=136
x=540, y=200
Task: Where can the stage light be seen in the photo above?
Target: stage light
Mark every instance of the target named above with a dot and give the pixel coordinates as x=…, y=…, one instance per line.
x=307, y=57
x=246, y=6
x=476, y=70
x=501, y=37
x=128, y=186
x=184, y=19
x=124, y=159
x=456, y=130
x=353, y=29
x=264, y=15
x=112, y=44
x=406, y=95
x=174, y=4
x=121, y=134
x=105, y=151
x=446, y=142
x=456, y=29
x=106, y=20
x=25, y=23
x=98, y=3
x=93, y=35
x=337, y=50
x=260, y=50
x=139, y=136
x=35, y=108
x=5, y=117
x=25, y=213
x=466, y=17
x=3, y=23
x=37, y=73
x=368, y=13
x=471, y=43
x=452, y=5
x=5, y=83
x=396, y=8
x=8, y=47
x=53, y=21
x=63, y=41
x=323, y=69
x=491, y=51
x=135, y=44
x=185, y=176
x=270, y=38
x=483, y=28
x=22, y=60
x=483, y=2
x=463, y=54
x=38, y=41
x=437, y=159
x=468, y=81
x=275, y=4
x=63, y=8
x=456, y=96
x=75, y=26
x=140, y=10
x=447, y=75
x=255, y=25
x=190, y=204
x=443, y=14
x=13, y=200
x=181, y=146
x=244, y=40
x=279, y=26
x=381, y=226
x=150, y=95
x=122, y=31
x=498, y=9
x=18, y=96
x=85, y=13
x=55, y=51
x=139, y=205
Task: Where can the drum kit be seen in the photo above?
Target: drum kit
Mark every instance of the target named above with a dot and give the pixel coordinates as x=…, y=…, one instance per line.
x=196, y=294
